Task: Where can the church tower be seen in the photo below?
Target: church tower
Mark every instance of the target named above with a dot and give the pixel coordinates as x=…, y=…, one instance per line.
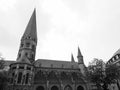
x=29, y=40
x=22, y=71
x=80, y=57
x=81, y=62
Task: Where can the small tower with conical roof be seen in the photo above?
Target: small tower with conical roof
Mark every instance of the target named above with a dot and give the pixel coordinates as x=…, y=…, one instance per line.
x=22, y=71
x=80, y=61
x=72, y=58
x=80, y=57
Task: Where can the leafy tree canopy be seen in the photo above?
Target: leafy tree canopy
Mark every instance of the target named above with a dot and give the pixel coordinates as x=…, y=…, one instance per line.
x=96, y=71
x=103, y=75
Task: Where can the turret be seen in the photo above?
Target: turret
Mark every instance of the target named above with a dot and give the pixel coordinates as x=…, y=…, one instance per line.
x=80, y=57
x=81, y=62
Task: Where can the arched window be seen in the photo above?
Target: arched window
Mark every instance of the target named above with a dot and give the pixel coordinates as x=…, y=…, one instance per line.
x=26, y=54
x=13, y=74
x=27, y=44
x=19, y=77
x=21, y=67
x=33, y=47
x=11, y=79
x=32, y=56
x=54, y=88
x=28, y=68
x=27, y=77
x=80, y=87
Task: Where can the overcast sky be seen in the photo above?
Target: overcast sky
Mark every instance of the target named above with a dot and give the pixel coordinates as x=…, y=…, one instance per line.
x=62, y=26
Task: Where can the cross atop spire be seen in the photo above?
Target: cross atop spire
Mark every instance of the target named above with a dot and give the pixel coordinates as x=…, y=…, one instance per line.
x=79, y=52
x=31, y=29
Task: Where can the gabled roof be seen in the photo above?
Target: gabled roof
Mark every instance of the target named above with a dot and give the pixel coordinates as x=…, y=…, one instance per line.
x=31, y=29
x=48, y=63
x=56, y=64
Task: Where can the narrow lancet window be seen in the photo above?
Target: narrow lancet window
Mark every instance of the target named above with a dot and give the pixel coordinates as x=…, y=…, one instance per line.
x=19, y=77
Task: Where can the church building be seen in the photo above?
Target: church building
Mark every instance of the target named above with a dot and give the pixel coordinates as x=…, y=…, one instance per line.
x=26, y=73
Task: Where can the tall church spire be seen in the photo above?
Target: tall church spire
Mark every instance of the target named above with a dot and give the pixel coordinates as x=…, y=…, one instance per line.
x=31, y=32
x=28, y=45
x=81, y=62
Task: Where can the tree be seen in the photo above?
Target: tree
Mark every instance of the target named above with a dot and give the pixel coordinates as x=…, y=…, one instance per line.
x=3, y=79
x=113, y=74
x=96, y=72
x=103, y=75
x=3, y=74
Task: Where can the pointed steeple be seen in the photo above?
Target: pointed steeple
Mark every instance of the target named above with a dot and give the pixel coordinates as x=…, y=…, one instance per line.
x=79, y=53
x=80, y=57
x=31, y=32
x=72, y=58
x=29, y=41
x=81, y=62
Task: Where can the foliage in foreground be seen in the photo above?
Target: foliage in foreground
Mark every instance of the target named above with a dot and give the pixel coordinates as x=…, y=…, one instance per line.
x=3, y=74
x=101, y=75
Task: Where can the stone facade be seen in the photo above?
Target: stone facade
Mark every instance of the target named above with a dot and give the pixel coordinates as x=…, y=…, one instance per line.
x=26, y=73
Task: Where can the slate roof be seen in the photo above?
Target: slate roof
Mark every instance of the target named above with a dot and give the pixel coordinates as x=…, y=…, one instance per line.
x=56, y=64
x=31, y=28
x=51, y=64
